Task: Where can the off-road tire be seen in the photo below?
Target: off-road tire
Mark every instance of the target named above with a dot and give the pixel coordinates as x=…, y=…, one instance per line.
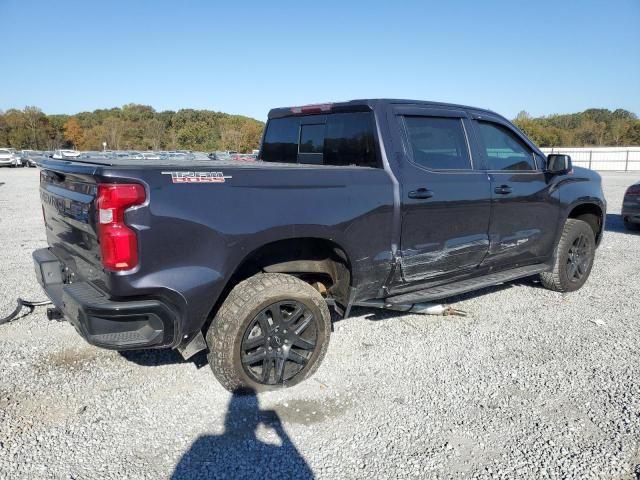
x=558, y=279
x=239, y=309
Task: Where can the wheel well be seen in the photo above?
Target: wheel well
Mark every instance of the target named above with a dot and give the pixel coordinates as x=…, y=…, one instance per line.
x=590, y=213
x=319, y=262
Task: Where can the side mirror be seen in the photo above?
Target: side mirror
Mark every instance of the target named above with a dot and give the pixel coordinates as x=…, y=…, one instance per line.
x=558, y=163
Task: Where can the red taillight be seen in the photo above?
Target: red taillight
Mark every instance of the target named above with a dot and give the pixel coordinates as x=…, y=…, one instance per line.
x=118, y=243
x=633, y=190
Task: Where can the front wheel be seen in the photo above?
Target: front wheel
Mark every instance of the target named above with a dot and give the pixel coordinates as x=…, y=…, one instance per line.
x=272, y=331
x=574, y=258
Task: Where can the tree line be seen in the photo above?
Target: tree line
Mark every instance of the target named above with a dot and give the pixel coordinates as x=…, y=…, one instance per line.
x=593, y=127
x=140, y=127
x=132, y=127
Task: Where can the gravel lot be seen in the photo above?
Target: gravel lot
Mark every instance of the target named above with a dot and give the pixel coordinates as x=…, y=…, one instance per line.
x=528, y=385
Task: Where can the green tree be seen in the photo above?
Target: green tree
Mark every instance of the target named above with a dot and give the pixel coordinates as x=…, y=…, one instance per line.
x=595, y=126
x=195, y=136
x=113, y=132
x=36, y=124
x=18, y=134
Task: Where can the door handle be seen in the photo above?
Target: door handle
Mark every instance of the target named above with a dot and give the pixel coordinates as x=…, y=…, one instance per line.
x=503, y=190
x=421, y=193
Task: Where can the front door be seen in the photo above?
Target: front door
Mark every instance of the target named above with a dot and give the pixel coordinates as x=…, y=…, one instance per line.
x=445, y=201
x=524, y=214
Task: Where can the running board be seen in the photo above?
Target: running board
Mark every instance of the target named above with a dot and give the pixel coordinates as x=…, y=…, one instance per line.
x=468, y=285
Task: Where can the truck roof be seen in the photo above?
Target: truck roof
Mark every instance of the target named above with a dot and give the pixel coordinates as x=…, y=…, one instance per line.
x=363, y=104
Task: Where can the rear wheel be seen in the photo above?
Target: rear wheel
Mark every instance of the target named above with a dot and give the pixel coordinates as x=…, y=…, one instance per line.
x=272, y=331
x=574, y=258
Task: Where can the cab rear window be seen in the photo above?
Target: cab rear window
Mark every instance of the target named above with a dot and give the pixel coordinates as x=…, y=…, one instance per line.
x=343, y=139
x=281, y=140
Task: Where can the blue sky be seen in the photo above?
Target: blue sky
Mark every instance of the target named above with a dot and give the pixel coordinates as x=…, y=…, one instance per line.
x=543, y=56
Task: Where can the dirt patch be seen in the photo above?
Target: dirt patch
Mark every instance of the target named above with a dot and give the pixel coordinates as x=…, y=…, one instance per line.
x=72, y=358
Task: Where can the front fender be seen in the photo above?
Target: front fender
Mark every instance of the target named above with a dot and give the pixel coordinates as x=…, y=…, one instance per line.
x=577, y=190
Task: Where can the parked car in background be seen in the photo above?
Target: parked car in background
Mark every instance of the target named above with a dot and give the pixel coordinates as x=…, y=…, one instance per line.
x=222, y=154
x=63, y=154
x=631, y=207
x=243, y=157
x=30, y=157
x=25, y=156
x=95, y=154
x=129, y=154
x=150, y=156
x=176, y=155
x=9, y=158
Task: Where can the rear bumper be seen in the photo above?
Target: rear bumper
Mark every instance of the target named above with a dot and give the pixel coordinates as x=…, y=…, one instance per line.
x=631, y=210
x=101, y=321
x=632, y=217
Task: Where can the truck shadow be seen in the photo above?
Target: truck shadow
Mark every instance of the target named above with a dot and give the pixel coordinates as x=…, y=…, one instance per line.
x=239, y=453
x=151, y=358
x=614, y=223
x=165, y=356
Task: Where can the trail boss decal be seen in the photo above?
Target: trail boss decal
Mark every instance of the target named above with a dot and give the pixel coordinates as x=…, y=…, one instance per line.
x=197, y=177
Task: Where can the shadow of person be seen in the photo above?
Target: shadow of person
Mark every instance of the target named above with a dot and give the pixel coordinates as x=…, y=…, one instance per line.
x=239, y=453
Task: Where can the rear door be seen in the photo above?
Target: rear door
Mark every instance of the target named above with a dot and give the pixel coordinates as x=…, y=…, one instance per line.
x=445, y=200
x=524, y=214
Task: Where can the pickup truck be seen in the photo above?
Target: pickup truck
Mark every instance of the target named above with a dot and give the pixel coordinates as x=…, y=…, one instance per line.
x=390, y=201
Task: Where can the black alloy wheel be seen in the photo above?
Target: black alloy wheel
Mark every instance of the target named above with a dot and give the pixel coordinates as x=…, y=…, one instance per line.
x=578, y=258
x=574, y=257
x=279, y=342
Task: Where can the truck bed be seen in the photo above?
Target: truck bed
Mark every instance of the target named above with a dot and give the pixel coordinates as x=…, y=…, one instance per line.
x=198, y=162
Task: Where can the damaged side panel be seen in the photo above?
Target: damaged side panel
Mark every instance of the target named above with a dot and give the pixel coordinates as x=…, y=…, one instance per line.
x=523, y=223
x=508, y=244
x=434, y=259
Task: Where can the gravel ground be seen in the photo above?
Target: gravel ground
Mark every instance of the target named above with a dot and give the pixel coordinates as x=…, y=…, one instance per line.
x=531, y=384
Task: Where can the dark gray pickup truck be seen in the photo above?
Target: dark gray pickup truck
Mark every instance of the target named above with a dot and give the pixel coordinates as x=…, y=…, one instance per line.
x=389, y=201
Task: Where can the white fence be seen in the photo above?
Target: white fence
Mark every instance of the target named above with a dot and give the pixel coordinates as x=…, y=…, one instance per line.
x=624, y=159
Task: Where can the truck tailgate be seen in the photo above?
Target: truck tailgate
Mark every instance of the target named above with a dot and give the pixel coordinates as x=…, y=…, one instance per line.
x=68, y=206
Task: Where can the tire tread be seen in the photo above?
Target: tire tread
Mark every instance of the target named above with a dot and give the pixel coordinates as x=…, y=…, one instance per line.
x=553, y=280
x=229, y=319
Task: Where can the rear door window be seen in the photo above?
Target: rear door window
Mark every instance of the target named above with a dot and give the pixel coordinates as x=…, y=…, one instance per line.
x=349, y=140
x=438, y=143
